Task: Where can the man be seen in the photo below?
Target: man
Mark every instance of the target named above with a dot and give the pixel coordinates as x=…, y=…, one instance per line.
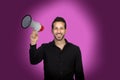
x=61, y=58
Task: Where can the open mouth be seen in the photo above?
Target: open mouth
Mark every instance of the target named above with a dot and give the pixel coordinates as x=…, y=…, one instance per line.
x=59, y=34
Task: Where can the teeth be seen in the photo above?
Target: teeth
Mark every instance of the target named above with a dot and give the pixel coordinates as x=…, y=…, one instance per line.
x=59, y=34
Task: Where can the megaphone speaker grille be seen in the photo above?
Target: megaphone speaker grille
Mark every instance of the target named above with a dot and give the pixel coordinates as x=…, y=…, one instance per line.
x=26, y=21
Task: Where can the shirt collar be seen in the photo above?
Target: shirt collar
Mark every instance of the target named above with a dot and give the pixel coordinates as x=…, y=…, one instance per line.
x=53, y=42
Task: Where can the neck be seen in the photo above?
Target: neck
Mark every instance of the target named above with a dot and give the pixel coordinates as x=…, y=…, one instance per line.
x=60, y=44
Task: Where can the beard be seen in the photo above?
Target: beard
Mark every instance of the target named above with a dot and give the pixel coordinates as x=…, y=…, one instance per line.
x=59, y=38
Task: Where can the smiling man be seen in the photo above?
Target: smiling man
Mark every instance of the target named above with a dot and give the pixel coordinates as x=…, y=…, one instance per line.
x=61, y=58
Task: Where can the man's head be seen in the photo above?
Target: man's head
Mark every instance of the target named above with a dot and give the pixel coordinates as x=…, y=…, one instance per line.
x=59, y=28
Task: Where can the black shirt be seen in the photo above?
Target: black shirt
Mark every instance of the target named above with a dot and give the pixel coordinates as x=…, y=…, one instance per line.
x=58, y=64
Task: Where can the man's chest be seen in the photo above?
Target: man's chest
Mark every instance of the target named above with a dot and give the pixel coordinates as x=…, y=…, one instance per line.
x=56, y=56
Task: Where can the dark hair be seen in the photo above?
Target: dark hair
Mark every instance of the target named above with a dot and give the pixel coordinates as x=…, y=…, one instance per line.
x=59, y=19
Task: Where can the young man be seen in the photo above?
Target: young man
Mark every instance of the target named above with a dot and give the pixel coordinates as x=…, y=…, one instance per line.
x=61, y=58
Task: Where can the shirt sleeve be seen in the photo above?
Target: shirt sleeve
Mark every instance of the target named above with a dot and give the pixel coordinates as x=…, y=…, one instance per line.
x=79, y=74
x=36, y=55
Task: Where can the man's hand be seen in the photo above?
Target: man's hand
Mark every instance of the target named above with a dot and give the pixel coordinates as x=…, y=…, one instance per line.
x=33, y=37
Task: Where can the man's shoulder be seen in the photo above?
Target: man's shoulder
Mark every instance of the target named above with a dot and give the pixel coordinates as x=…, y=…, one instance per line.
x=75, y=48
x=73, y=45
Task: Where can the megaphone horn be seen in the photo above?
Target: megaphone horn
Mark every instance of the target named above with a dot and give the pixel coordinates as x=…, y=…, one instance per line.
x=27, y=21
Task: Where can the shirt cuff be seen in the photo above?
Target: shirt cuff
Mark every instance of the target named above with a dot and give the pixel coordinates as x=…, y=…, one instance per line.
x=33, y=46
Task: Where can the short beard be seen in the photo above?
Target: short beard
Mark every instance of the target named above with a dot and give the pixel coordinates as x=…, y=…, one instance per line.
x=59, y=39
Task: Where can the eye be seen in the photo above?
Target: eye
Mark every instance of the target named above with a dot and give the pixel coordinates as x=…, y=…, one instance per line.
x=55, y=28
x=62, y=28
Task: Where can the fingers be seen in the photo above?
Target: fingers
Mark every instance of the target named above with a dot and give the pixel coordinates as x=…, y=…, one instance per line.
x=34, y=34
x=34, y=37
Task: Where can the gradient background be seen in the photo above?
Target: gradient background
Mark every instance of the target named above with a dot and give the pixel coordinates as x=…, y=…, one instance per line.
x=97, y=36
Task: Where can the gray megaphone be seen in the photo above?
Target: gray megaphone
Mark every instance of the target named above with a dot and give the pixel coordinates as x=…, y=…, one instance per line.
x=27, y=21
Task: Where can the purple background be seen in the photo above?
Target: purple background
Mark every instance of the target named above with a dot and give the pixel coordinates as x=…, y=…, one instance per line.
x=15, y=67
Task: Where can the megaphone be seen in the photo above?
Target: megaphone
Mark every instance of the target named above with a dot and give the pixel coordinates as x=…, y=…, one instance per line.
x=27, y=21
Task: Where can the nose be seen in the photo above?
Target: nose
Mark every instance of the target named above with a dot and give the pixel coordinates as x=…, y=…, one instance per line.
x=58, y=30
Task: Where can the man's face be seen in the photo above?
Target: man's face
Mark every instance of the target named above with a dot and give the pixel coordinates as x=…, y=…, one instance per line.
x=59, y=30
